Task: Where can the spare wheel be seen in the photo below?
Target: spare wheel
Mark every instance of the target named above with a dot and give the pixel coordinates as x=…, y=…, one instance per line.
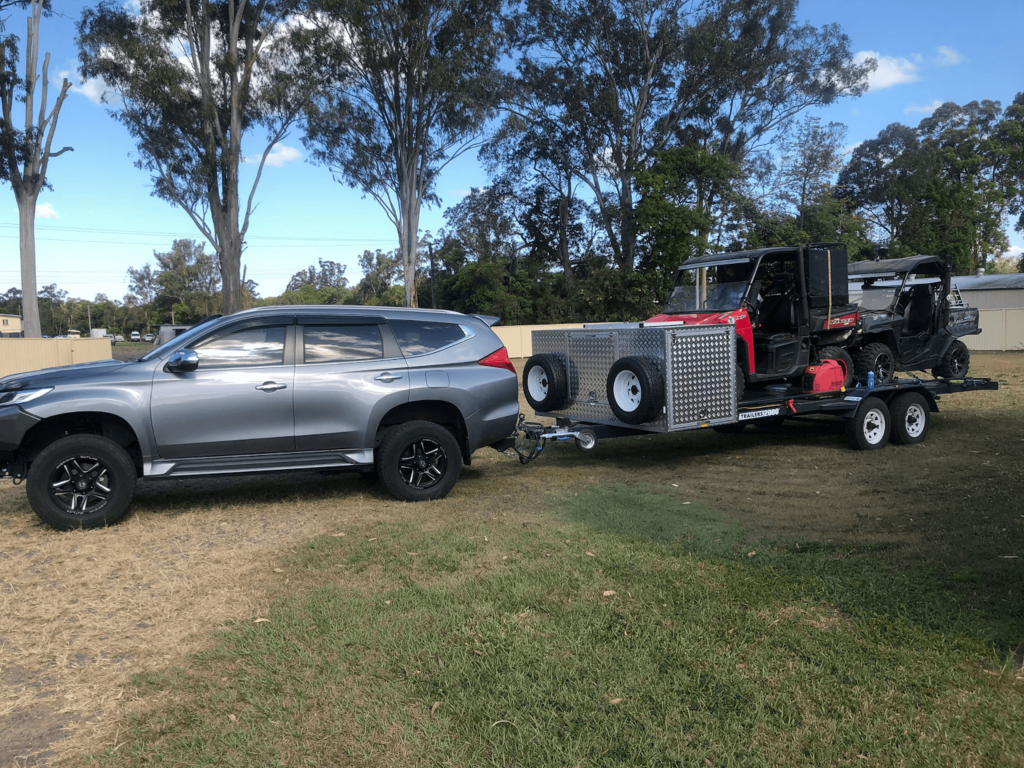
x=636, y=392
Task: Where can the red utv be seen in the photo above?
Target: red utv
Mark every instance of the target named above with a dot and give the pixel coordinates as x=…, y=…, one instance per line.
x=791, y=306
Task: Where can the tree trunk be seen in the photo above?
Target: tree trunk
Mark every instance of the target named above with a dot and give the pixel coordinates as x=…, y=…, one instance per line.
x=408, y=229
x=31, y=327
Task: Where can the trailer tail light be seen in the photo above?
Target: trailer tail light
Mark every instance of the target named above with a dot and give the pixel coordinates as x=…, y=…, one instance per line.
x=499, y=359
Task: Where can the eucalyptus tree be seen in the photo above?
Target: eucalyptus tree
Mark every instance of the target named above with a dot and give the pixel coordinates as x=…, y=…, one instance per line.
x=613, y=82
x=26, y=147
x=191, y=81
x=406, y=86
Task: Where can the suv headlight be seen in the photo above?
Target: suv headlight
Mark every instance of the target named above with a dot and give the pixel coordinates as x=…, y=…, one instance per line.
x=21, y=396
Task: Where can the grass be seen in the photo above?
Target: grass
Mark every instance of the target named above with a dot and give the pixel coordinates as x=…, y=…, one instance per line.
x=623, y=627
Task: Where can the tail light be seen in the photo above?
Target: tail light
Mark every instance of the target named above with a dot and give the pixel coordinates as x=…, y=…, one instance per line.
x=499, y=359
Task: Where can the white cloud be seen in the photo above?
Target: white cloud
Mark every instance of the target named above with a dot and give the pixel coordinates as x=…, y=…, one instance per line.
x=949, y=57
x=45, y=211
x=93, y=88
x=278, y=156
x=925, y=109
x=848, y=149
x=891, y=70
x=133, y=5
x=1014, y=252
x=461, y=193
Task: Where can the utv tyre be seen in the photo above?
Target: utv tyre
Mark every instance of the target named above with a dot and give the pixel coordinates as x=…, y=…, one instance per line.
x=419, y=461
x=868, y=429
x=545, y=383
x=954, y=363
x=910, y=417
x=635, y=390
x=842, y=357
x=81, y=481
x=879, y=358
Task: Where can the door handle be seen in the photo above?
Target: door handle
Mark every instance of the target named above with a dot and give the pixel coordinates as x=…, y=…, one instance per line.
x=387, y=378
x=270, y=386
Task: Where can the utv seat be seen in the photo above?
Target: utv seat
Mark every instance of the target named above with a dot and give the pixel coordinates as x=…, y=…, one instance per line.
x=776, y=316
x=918, y=315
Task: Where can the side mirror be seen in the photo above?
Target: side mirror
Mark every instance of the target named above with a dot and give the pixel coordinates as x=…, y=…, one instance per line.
x=182, y=361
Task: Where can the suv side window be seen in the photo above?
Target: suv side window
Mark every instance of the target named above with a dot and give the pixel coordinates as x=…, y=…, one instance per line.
x=416, y=337
x=243, y=348
x=341, y=343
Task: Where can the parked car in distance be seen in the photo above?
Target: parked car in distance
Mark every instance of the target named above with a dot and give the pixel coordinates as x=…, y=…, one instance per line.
x=149, y=337
x=408, y=393
x=135, y=336
x=119, y=337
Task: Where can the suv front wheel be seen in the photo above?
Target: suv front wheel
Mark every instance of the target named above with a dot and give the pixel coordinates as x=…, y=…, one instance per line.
x=419, y=461
x=81, y=481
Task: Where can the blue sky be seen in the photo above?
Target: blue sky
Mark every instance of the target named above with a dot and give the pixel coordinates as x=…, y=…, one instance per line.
x=100, y=218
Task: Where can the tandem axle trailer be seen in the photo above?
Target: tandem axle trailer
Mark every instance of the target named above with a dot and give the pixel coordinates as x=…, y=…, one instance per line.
x=621, y=380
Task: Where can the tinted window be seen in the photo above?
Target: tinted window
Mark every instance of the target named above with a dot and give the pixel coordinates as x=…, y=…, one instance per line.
x=243, y=348
x=341, y=343
x=416, y=337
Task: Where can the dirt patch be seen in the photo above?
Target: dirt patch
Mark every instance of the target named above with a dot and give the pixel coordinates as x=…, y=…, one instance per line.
x=83, y=611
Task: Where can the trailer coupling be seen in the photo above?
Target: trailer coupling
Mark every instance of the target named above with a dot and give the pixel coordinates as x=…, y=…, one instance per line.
x=528, y=439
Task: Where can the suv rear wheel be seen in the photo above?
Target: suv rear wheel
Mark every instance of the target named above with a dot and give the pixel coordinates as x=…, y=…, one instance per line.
x=419, y=461
x=81, y=481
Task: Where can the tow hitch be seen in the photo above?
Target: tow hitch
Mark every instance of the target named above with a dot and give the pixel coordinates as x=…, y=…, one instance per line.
x=529, y=438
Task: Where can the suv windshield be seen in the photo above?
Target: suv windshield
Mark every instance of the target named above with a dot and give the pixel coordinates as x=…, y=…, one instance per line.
x=725, y=289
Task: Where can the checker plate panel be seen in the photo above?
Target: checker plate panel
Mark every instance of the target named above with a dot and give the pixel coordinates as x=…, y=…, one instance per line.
x=696, y=363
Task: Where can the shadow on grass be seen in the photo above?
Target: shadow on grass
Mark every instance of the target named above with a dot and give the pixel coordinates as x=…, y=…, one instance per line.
x=848, y=577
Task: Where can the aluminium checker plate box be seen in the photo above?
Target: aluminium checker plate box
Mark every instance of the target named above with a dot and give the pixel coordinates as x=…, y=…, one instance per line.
x=697, y=363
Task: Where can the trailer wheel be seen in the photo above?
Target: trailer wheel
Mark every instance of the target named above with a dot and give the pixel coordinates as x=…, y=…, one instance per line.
x=545, y=383
x=954, y=363
x=635, y=390
x=868, y=429
x=879, y=358
x=910, y=416
x=842, y=357
x=586, y=440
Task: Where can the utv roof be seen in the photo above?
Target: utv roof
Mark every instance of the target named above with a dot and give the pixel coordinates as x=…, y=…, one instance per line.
x=733, y=257
x=861, y=270
x=712, y=259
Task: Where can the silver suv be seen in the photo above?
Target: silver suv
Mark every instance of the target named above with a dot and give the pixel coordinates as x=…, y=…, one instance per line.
x=411, y=393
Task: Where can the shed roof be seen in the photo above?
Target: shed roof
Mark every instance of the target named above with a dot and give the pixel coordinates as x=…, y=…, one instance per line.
x=990, y=282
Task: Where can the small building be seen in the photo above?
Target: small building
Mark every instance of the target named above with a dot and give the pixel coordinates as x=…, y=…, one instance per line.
x=168, y=332
x=992, y=291
x=10, y=326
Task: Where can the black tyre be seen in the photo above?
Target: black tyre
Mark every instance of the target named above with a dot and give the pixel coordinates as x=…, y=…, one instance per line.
x=636, y=393
x=910, y=417
x=419, y=461
x=545, y=383
x=879, y=358
x=869, y=427
x=842, y=357
x=955, y=362
x=81, y=481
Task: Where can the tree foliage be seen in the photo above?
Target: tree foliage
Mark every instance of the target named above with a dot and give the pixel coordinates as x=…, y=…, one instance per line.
x=404, y=88
x=190, y=81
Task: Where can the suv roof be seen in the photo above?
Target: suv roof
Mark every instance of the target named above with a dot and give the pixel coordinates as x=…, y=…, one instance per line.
x=359, y=310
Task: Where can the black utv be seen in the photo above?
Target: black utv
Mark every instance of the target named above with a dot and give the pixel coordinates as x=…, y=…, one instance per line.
x=912, y=318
